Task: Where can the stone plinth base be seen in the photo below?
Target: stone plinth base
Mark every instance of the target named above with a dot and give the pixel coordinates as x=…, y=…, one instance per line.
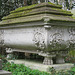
x=48, y=61
x=60, y=60
x=2, y=72
x=42, y=67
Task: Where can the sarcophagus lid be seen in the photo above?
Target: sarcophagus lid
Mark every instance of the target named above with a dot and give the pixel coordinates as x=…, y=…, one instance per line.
x=43, y=26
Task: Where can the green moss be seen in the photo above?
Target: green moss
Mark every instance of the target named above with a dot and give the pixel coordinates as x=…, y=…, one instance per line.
x=28, y=12
x=60, y=6
x=23, y=11
x=72, y=53
x=73, y=17
x=31, y=6
x=63, y=11
x=21, y=20
x=16, y=15
x=53, y=11
x=23, y=8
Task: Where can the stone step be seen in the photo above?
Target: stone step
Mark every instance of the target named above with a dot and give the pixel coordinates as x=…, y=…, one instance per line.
x=38, y=65
x=0, y=64
x=2, y=72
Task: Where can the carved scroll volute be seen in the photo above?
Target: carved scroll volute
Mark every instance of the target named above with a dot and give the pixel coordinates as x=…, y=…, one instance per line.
x=1, y=37
x=39, y=38
x=56, y=38
x=71, y=40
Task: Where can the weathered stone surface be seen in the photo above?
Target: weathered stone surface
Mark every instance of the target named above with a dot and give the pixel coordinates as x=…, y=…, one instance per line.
x=48, y=61
x=73, y=12
x=60, y=60
x=2, y=72
x=43, y=27
x=34, y=11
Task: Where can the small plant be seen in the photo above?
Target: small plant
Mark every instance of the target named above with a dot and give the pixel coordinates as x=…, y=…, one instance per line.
x=0, y=56
x=70, y=59
x=52, y=71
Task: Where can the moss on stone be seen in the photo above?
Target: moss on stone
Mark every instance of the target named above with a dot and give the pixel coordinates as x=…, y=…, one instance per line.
x=73, y=17
x=29, y=12
x=60, y=6
x=16, y=15
x=37, y=12
x=23, y=8
x=24, y=11
x=63, y=11
x=32, y=6
x=22, y=20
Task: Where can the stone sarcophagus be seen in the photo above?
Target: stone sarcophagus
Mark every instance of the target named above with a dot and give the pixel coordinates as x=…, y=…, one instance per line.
x=44, y=29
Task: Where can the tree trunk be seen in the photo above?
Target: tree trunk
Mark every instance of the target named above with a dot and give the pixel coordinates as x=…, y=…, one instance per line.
x=25, y=2
x=34, y=1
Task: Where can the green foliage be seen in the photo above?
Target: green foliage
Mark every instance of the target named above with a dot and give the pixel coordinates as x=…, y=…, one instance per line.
x=70, y=58
x=52, y=71
x=62, y=72
x=72, y=53
x=8, y=5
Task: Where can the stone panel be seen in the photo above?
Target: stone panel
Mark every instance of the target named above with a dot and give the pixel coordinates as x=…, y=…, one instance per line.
x=2, y=72
x=61, y=38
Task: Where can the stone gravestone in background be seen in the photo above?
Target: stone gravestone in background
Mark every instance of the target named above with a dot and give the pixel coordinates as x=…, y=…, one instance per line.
x=2, y=72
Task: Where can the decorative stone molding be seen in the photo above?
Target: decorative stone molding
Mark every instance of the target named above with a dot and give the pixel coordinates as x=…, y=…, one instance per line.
x=48, y=61
x=61, y=38
x=60, y=56
x=1, y=37
x=60, y=60
x=39, y=38
x=9, y=52
x=48, y=57
x=46, y=19
x=56, y=38
x=71, y=40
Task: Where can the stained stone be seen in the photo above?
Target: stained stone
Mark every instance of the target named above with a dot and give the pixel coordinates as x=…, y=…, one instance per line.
x=48, y=61
x=60, y=60
x=2, y=72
